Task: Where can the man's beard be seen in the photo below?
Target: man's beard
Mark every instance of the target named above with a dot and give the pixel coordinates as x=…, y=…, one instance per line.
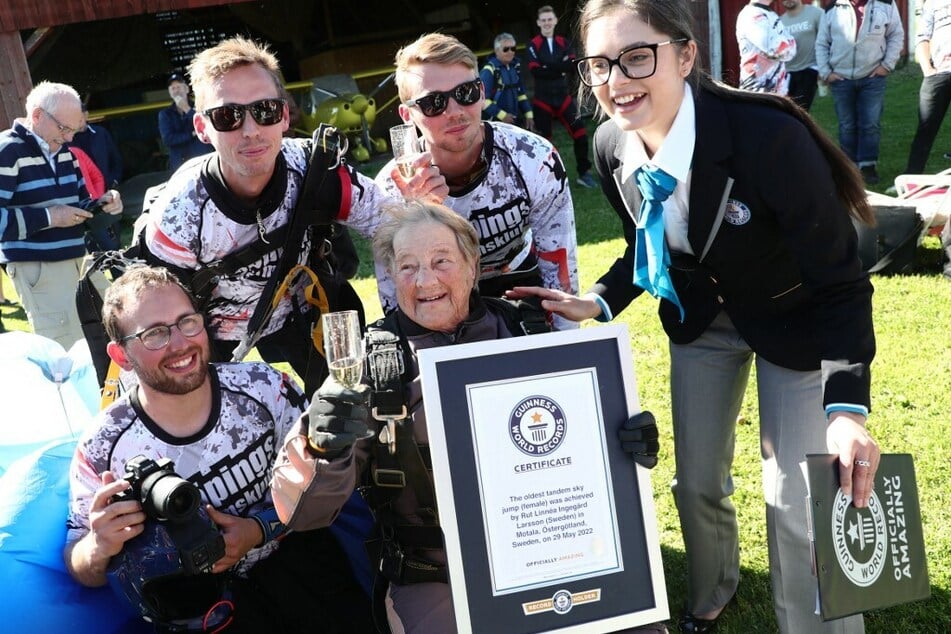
x=161, y=381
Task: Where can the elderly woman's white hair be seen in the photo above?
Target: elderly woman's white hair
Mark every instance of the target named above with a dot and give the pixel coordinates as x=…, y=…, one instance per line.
x=414, y=212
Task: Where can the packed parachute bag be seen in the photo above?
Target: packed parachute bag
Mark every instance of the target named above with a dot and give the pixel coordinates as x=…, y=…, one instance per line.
x=330, y=263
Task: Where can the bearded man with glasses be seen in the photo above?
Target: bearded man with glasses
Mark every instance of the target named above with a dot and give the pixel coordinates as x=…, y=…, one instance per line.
x=221, y=425
x=244, y=191
x=509, y=183
x=43, y=208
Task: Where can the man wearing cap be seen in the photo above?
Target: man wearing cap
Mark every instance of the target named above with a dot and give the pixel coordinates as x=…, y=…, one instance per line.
x=43, y=202
x=176, y=127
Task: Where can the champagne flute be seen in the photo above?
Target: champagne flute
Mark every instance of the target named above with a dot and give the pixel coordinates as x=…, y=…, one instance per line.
x=406, y=147
x=343, y=345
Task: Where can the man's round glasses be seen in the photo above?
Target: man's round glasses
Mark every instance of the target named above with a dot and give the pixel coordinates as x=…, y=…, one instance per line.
x=231, y=115
x=435, y=103
x=157, y=337
x=636, y=62
x=64, y=129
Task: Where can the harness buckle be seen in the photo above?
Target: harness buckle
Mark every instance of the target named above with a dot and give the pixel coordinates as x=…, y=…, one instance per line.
x=387, y=435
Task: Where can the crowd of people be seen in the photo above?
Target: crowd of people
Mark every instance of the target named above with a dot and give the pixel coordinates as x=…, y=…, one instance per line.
x=479, y=238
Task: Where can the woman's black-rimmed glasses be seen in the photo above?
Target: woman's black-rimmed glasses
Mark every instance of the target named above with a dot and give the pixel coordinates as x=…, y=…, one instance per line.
x=231, y=115
x=435, y=103
x=157, y=337
x=636, y=62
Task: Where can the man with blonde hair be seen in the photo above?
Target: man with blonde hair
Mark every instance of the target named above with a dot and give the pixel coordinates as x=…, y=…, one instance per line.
x=241, y=198
x=508, y=183
x=43, y=207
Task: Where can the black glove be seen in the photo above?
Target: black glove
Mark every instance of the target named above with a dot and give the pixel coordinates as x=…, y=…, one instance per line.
x=338, y=417
x=638, y=437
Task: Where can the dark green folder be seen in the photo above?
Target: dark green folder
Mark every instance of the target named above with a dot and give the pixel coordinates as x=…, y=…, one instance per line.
x=868, y=558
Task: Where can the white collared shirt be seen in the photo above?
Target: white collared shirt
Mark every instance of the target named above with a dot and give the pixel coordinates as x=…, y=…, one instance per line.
x=45, y=148
x=674, y=157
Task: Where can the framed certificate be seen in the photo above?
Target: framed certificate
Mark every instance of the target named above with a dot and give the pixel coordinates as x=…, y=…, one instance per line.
x=548, y=524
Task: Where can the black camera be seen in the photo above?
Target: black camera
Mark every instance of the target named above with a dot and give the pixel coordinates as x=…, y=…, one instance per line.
x=163, y=494
x=176, y=503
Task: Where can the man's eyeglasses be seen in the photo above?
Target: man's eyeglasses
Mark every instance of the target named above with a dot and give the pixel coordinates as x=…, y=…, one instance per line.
x=157, y=337
x=637, y=62
x=64, y=129
x=231, y=115
x=508, y=49
x=435, y=103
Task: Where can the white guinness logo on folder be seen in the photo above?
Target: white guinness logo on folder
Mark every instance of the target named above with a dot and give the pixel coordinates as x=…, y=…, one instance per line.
x=859, y=538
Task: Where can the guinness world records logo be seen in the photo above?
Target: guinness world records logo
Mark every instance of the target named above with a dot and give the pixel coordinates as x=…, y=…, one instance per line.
x=537, y=425
x=859, y=538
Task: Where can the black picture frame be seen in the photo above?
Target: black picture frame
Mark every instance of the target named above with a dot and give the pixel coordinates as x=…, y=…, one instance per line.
x=630, y=594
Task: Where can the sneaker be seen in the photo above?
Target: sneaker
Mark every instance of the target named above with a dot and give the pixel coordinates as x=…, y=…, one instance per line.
x=587, y=180
x=947, y=156
x=870, y=174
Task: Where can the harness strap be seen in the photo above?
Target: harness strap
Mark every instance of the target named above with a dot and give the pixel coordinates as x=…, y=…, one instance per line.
x=204, y=280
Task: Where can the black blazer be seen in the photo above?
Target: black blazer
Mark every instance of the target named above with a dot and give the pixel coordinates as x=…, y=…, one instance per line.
x=775, y=247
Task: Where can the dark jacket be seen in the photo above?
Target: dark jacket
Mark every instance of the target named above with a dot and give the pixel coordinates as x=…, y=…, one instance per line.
x=177, y=134
x=504, y=91
x=783, y=263
x=550, y=68
x=98, y=144
x=28, y=186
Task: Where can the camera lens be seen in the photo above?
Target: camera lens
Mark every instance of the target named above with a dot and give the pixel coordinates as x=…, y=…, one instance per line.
x=169, y=497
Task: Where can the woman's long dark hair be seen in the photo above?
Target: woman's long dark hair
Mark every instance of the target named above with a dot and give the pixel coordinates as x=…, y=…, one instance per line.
x=673, y=18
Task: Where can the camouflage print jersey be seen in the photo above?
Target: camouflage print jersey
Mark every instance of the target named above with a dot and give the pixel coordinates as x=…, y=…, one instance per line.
x=195, y=223
x=229, y=460
x=521, y=209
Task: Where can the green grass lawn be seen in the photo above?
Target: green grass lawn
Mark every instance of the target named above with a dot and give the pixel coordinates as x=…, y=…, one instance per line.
x=911, y=375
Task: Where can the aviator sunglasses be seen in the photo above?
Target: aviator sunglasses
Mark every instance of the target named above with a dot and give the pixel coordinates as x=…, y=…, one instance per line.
x=231, y=115
x=435, y=103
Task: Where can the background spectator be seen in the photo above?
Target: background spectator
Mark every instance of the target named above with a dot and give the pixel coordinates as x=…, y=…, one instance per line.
x=551, y=62
x=858, y=45
x=42, y=210
x=765, y=47
x=802, y=22
x=176, y=125
x=934, y=55
x=505, y=97
x=97, y=143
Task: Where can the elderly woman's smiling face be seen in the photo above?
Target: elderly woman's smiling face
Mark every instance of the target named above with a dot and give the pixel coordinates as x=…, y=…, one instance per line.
x=433, y=277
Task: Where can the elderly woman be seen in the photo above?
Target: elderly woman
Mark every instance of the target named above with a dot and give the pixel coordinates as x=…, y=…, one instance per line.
x=432, y=254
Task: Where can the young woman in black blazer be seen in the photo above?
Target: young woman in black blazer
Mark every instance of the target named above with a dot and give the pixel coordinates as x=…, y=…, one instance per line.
x=761, y=255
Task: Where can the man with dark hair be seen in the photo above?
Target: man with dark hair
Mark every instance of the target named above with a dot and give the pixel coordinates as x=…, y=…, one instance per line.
x=221, y=426
x=551, y=62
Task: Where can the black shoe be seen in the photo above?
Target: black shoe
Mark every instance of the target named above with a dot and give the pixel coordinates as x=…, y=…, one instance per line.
x=870, y=174
x=947, y=156
x=690, y=624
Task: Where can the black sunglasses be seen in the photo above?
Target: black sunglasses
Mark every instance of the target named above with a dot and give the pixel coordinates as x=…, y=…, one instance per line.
x=435, y=103
x=508, y=49
x=231, y=115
